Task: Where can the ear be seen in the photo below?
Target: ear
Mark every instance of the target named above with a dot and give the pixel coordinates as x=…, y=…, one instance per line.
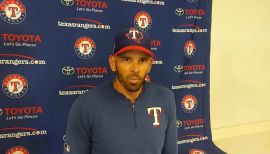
x=150, y=65
x=112, y=62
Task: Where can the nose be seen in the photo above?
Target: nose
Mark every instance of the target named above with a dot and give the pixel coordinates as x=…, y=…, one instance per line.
x=135, y=67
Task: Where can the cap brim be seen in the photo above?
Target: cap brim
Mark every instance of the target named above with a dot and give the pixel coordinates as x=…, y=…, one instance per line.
x=139, y=48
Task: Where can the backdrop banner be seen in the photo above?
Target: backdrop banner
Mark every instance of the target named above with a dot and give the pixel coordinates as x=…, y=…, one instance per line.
x=55, y=50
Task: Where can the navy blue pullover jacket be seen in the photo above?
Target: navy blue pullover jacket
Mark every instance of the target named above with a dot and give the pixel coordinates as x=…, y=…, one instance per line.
x=103, y=121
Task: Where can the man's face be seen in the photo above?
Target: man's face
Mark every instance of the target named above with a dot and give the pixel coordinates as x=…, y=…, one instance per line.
x=131, y=68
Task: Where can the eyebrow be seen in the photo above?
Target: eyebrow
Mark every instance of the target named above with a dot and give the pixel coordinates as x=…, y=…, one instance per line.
x=123, y=56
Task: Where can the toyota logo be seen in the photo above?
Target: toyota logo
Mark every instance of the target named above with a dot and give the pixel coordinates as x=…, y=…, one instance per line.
x=179, y=11
x=1, y=112
x=178, y=68
x=178, y=123
x=68, y=70
x=67, y=2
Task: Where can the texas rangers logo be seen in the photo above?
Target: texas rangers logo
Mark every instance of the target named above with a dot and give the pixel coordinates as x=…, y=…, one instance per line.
x=155, y=111
x=190, y=49
x=189, y=103
x=142, y=21
x=197, y=151
x=12, y=11
x=15, y=85
x=85, y=47
x=134, y=35
x=17, y=150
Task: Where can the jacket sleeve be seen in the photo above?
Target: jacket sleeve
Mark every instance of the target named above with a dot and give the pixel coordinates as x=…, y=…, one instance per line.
x=170, y=144
x=77, y=138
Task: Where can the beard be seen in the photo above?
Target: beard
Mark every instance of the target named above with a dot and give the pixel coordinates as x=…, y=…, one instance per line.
x=127, y=81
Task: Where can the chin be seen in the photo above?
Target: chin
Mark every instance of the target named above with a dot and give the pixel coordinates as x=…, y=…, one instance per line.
x=133, y=88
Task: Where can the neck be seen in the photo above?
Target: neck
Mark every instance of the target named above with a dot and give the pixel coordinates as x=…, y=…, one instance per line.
x=132, y=96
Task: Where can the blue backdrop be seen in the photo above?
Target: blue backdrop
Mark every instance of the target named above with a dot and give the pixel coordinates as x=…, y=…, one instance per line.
x=53, y=51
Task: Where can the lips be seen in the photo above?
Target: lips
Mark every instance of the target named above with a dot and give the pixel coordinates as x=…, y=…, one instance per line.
x=134, y=78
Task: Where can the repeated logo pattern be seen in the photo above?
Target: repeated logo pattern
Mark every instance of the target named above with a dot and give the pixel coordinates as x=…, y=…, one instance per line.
x=50, y=56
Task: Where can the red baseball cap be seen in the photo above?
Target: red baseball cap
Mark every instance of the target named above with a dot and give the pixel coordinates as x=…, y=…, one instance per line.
x=132, y=39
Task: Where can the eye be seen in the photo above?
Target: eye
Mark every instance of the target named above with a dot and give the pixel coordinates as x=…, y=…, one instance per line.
x=125, y=59
x=143, y=60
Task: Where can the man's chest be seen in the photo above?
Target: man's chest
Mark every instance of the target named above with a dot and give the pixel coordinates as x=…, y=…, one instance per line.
x=131, y=126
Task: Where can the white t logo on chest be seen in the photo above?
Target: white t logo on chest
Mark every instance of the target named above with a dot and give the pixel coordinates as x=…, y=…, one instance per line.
x=155, y=111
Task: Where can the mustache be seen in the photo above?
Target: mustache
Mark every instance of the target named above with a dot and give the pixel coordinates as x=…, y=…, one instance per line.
x=134, y=75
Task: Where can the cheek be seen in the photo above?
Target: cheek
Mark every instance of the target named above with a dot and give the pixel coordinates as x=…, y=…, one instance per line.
x=122, y=70
x=146, y=69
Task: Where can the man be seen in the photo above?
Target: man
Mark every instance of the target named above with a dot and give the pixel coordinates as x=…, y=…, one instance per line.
x=127, y=115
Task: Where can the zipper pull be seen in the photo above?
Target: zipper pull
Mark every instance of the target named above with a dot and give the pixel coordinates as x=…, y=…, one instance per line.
x=133, y=107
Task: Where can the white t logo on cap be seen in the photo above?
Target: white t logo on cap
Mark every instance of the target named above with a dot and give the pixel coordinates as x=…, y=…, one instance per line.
x=135, y=35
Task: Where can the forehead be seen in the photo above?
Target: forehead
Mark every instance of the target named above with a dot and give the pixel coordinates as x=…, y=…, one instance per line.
x=133, y=53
